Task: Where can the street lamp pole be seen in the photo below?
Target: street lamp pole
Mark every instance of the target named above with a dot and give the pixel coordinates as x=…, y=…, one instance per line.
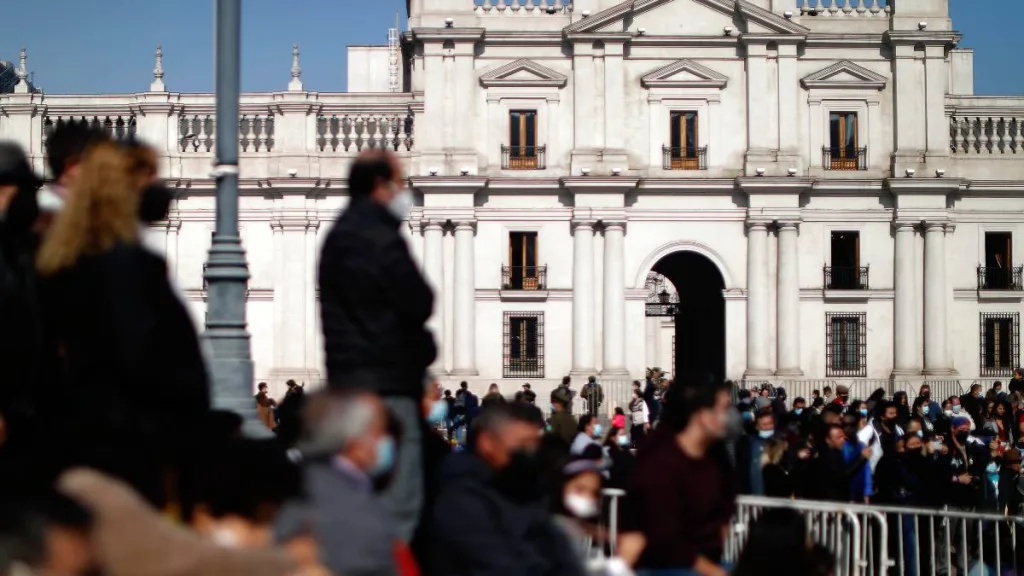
x=227, y=273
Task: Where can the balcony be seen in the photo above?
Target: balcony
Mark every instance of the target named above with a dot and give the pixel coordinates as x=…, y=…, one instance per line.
x=844, y=159
x=685, y=158
x=523, y=157
x=846, y=278
x=528, y=278
x=994, y=278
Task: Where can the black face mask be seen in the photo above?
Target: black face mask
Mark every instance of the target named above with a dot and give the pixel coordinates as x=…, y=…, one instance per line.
x=520, y=480
x=155, y=203
x=22, y=211
x=961, y=437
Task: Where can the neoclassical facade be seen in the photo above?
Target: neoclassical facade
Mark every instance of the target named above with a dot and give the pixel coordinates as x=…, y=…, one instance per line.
x=799, y=191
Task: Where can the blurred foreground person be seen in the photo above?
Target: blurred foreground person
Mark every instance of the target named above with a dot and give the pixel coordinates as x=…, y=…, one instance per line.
x=47, y=536
x=131, y=538
x=65, y=148
x=347, y=449
x=112, y=321
x=681, y=497
x=374, y=305
x=20, y=338
x=778, y=535
x=490, y=516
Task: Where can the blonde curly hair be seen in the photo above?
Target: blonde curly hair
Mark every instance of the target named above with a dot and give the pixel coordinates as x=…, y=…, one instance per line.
x=101, y=211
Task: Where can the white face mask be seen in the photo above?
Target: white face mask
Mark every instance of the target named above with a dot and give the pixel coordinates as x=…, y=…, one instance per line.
x=401, y=203
x=580, y=506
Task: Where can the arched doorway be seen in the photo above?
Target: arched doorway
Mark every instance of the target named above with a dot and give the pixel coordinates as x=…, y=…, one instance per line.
x=698, y=310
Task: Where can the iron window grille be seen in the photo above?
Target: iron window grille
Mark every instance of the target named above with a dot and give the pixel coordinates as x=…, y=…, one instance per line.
x=996, y=278
x=846, y=278
x=846, y=345
x=523, y=343
x=1000, y=343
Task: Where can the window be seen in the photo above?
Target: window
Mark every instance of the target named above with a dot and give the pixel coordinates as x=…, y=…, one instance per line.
x=522, y=153
x=683, y=152
x=844, y=151
x=845, y=272
x=522, y=272
x=1000, y=343
x=523, y=355
x=846, y=345
x=997, y=272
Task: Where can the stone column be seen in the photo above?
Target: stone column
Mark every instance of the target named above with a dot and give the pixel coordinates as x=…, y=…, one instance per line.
x=788, y=308
x=465, y=301
x=614, y=101
x=935, y=360
x=757, y=300
x=904, y=330
x=433, y=269
x=583, y=299
x=614, y=300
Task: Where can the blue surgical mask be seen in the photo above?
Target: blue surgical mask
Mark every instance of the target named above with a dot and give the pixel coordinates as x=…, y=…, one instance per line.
x=748, y=416
x=863, y=411
x=920, y=433
x=798, y=411
x=956, y=408
x=924, y=409
x=438, y=412
x=622, y=441
x=598, y=430
x=766, y=434
x=992, y=468
x=385, y=457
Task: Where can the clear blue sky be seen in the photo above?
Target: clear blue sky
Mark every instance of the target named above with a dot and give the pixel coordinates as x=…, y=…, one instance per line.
x=103, y=46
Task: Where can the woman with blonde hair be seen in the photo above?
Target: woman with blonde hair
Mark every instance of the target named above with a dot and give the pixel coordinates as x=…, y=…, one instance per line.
x=128, y=378
x=777, y=481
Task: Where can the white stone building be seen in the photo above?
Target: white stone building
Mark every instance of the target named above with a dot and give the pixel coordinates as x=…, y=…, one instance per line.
x=813, y=177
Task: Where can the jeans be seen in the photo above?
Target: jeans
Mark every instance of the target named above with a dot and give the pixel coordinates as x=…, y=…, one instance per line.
x=404, y=497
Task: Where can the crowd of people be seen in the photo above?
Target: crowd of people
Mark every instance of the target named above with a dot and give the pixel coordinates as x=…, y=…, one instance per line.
x=960, y=453
x=112, y=460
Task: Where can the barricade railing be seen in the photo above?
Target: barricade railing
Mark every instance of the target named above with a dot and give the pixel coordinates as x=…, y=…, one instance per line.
x=870, y=540
x=862, y=388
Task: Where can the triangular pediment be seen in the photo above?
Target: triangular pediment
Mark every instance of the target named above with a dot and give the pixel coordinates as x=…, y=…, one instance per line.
x=523, y=72
x=684, y=74
x=845, y=74
x=616, y=18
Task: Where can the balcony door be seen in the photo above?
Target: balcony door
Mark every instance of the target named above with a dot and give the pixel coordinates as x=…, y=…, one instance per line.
x=845, y=261
x=998, y=260
x=684, y=140
x=522, y=260
x=843, y=140
x=522, y=138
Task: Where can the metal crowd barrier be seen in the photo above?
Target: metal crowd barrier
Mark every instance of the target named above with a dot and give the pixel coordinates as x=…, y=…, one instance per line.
x=870, y=540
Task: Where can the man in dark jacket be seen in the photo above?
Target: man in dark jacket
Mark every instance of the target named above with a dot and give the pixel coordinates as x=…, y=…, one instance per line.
x=374, y=306
x=593, y=395
x=490, y=516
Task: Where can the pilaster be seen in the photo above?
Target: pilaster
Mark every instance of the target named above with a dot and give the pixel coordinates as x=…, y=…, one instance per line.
x=614, y=364
x=757, y=299
x=583, y=298
x=464, y=363
x=788, y=294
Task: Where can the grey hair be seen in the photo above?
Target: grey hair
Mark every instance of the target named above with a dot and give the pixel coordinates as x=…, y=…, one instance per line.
x=341, y=419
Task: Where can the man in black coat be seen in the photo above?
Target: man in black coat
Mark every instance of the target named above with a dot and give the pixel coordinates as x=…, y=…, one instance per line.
x=374, y=306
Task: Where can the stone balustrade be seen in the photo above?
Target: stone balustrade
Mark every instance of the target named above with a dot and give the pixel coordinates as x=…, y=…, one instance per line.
x=119, y=126
x=986, y=126
x=845, y=8
x=356, y=132
x=521, y=7
x=197, y=132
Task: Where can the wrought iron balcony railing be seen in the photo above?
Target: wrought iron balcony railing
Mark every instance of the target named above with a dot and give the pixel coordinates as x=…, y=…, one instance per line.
x=846, y=278
x=844, y=159
x=524, y=277
x=523, y=157
x=995, y=278
x=685, y=158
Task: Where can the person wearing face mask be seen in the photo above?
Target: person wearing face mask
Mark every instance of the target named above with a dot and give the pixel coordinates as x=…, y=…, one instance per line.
x=491, y=516
x=576, y=504
x=682, y=529
x=617, y=453
x=588, y=432
x=346, y=448
x=749, y=449
x=963, y=469
x=374, y=306
x=931, y=408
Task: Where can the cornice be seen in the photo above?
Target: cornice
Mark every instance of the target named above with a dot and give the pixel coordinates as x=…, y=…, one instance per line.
x=519, y=183
x=922, y=186
x=448, y=184
x=606, y=184
x=524, y=38
x=747, y=39
x=828, y=40
x=928, y=38
x=1012, y=188
x=453, y=34
x=685, y=41
x=542, y=76
x=670, y=185
x=774, y=185
x=864, y=78
x=603, y=36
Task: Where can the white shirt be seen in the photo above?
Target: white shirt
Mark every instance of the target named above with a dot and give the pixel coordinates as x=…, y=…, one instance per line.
x=580, y=443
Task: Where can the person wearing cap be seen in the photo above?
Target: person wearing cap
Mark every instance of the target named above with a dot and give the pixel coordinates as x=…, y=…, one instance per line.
x=842, y=395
